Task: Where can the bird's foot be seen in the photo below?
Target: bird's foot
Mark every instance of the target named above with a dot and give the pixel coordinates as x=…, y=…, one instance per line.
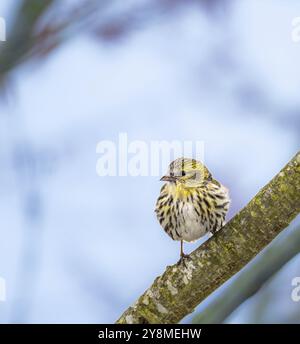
x=183, y=259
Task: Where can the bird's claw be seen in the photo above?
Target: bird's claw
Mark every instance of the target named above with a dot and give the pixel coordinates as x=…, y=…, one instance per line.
x=183, y=259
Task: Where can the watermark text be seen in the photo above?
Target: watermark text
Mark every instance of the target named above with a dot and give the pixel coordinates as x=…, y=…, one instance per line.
x=141, y=158
x=296, y=30
x=2, y=29
x=296, y=291
x=2, y=289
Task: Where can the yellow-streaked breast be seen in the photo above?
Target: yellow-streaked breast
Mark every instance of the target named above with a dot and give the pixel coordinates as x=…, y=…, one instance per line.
x=188, y=212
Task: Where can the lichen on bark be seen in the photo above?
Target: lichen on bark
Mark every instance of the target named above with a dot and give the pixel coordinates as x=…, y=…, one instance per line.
x=181, y=288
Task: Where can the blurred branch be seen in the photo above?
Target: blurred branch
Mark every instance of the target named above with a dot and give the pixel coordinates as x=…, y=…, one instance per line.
x=37, y=31
x=20, y=37
x=182, y=287
x=251, y=279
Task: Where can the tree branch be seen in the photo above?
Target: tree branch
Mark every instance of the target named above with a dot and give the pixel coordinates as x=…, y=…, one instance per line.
x=250, y=280
x=181, y=288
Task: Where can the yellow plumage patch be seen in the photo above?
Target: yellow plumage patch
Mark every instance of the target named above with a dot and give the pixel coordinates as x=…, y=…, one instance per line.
x=191, y=203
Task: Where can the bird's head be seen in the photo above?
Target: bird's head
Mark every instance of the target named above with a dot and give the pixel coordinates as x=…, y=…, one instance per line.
x=188, y=172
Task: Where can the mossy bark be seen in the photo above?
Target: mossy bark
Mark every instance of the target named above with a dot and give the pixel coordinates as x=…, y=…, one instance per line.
x=274, y=257
x=182, y=287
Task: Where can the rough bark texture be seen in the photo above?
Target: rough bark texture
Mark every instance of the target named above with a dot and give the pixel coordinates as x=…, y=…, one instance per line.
x=181, y=288
x=251, y=279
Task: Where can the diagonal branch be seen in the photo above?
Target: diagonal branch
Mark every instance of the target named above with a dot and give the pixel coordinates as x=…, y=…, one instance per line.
x=251, y=279
x=181, y=288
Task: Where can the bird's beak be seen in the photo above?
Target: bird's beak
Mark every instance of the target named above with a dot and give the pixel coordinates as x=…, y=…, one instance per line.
x=168, y=178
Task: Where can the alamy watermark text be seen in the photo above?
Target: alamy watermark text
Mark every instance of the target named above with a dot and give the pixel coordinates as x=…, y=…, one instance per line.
x=2, y=289
x=2, y=29
x=141, y=158
x=296, y=30
x=296, y=290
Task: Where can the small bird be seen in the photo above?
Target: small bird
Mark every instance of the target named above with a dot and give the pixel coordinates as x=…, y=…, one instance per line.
x=191, y=203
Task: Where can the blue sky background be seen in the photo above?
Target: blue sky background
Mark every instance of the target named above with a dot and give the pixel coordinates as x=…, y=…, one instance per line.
x=77, y=247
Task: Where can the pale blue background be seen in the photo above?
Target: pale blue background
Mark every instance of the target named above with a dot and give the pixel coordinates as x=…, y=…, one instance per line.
x=79, y=248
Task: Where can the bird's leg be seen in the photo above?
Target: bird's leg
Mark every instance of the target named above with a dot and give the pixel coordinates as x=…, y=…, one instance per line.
x=183, y=256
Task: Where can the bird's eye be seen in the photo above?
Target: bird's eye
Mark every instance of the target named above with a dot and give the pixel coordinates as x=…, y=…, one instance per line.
x=183, y=173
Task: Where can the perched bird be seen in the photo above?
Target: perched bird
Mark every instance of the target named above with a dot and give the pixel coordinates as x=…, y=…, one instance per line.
x=191, y=203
